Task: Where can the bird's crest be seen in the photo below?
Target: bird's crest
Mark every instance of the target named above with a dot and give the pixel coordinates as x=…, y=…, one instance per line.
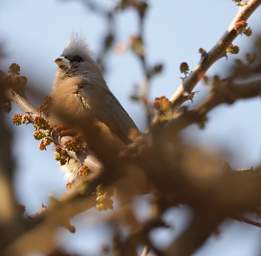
x=77, y=46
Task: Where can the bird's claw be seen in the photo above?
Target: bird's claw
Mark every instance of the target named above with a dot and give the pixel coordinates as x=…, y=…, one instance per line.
x=83, y=171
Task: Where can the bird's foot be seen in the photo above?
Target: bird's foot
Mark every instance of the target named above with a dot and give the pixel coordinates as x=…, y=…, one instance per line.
x=70, y=185
x=63, y=130
x=83, y=171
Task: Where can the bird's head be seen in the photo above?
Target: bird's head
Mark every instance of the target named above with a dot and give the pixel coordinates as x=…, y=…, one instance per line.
x=75, y=58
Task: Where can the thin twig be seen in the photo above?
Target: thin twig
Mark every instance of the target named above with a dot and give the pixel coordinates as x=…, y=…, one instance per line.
x=223, y=94
x=145, y=251
x=248, y=221
x=188, y=84
x=21, y=102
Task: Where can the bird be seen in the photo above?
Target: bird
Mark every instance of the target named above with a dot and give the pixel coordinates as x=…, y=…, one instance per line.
x=79, y=88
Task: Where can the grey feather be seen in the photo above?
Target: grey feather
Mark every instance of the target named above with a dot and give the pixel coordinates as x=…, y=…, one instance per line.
x=107, y=109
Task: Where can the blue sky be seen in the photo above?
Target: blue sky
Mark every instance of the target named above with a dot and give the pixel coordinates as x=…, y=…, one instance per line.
x=34, y=34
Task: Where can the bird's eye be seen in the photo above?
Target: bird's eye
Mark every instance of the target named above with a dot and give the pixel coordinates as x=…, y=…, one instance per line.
x=77, y=58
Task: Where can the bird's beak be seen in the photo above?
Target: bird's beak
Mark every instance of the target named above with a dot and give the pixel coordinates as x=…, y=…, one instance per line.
x=62, y=62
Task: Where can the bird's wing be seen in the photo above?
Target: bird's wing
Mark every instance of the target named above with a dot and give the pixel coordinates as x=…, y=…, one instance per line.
x=107, y=109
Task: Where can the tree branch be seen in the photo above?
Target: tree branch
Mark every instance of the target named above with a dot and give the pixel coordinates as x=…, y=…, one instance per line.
x=199, y=230
x=8, y=203
x=223, y=93
x=248, y=221
x=21, y=102
x=219, y=50
x=228, y=93
x=45, y=224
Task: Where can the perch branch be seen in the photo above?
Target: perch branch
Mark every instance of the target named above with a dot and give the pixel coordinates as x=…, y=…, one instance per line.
x=21, y=102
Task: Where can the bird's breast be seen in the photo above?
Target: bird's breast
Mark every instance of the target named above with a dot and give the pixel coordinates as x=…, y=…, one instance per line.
x=66, y=96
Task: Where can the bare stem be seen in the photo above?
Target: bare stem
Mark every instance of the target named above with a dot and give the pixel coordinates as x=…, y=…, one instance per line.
x=219, y=49
x=21, y=102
